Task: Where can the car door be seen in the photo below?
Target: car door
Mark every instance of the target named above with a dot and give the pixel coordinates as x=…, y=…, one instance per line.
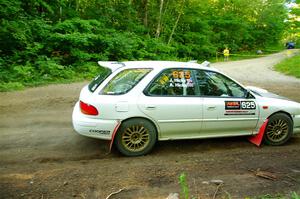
x=172, y=101
x=227, y=110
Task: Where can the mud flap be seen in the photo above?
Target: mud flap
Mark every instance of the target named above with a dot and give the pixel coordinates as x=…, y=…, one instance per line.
x=113, y=136
x=257, y=139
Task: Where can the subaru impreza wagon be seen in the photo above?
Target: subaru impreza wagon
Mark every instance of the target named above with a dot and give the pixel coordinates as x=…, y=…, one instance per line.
x=135, y=104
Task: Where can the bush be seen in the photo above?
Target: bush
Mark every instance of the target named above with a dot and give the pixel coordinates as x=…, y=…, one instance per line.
x=10, y=86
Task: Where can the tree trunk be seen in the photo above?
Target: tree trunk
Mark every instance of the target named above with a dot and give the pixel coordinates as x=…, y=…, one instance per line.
x=60, y=12
x=176, y=23
x=159, y=19
x=174, y=27
x=145, y=5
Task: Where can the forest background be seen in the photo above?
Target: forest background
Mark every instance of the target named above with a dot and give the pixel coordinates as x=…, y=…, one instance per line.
x=43, y=41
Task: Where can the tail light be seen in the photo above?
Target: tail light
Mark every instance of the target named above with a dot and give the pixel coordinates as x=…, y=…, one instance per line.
x=88, y=109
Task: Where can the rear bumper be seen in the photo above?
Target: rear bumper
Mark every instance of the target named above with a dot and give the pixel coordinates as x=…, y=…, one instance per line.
x=92, y=127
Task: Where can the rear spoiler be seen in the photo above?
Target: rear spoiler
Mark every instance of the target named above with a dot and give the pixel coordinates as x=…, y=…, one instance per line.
x=205, y=63
x=112, y=65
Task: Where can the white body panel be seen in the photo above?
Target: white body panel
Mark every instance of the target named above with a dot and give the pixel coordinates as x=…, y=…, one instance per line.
x=217, y=122
x=92, y=127
x=177, y=117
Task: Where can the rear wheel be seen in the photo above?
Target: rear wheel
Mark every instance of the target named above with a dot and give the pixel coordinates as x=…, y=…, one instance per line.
x=279, y=129
x=136, y=137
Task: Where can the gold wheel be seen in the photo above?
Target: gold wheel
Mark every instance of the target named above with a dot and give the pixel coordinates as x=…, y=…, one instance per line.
x=277, y=130
x=135, y=138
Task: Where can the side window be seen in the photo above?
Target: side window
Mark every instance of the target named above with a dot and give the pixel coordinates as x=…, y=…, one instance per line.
x=124, y=81
x=215, y=84
x=173, y=82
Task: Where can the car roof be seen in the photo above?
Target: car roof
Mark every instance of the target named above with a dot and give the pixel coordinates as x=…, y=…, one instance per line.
x=155, y=64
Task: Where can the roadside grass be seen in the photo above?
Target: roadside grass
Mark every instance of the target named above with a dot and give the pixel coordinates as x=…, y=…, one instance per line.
x=15, y=86
x=290, y=66
x=236, y=56
x=292, y=195
x=27, y=76
x=185, y=191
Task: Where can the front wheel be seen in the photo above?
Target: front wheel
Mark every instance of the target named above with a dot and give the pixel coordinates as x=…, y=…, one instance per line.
x=136, y=137
x=279, y=129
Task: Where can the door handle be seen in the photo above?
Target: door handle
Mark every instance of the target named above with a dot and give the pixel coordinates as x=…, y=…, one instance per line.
x=150, y=107
x=210, y=108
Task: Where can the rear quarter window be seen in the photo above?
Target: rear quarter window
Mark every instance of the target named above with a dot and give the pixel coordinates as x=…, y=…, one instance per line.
x=124, y=81
x=98, y=80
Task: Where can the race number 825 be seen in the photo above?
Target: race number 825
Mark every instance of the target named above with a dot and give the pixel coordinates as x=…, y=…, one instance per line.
x=248, y=105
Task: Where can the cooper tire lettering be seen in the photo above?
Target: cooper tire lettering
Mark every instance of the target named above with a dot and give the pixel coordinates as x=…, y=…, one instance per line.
x=104, y=132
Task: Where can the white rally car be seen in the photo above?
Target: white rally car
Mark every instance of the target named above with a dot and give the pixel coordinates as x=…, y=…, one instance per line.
x=135, y=104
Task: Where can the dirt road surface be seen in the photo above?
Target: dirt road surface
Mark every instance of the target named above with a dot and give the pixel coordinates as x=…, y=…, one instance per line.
x=42, y=157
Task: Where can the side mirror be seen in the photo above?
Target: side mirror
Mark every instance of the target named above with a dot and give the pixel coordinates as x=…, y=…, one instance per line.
x=247, y=94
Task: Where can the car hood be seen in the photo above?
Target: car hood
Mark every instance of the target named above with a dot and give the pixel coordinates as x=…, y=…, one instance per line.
x=264, y=93
x=275, y=102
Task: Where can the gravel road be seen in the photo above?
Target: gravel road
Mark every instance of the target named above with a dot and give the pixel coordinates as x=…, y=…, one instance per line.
x=42, y=157
x=259, y=72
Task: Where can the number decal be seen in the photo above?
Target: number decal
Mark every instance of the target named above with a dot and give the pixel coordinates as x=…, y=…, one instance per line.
x=248, y=105
x=243, y=105
x=181, y=74
x=240, y=108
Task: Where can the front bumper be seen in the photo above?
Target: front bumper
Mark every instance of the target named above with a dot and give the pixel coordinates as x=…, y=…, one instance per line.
x=92, y=127
x=296, y=120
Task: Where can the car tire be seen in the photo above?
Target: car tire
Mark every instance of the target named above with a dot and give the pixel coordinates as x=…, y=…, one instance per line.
x=136, y=137
x=278, y=130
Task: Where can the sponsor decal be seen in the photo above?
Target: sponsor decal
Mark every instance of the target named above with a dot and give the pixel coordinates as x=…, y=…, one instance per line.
x=240, y=108
x=103, y=132
x=232, y=105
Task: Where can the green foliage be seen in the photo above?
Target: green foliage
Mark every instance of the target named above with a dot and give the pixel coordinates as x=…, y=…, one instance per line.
x=292, y=195
x=88, y=70
x=184, y=187
x=290, y=66
x=11, y=86
x=46, y=41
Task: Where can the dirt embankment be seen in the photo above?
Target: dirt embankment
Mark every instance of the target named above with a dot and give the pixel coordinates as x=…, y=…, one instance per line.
x=42, y=157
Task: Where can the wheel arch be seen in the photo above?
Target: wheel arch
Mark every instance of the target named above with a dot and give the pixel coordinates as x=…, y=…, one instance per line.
x=283, y=112
x=147, y=119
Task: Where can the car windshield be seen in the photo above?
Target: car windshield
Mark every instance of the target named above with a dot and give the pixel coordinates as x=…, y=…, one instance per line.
x=99, y=79
x=124, y=81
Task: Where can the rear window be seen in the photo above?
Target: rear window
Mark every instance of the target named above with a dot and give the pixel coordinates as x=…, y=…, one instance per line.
x=98, y=80
x=124, y=81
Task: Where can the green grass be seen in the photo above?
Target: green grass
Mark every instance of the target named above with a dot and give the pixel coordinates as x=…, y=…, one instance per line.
x=292, y=195
x=290, y=66
x=32, y=78
x=15, y=86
